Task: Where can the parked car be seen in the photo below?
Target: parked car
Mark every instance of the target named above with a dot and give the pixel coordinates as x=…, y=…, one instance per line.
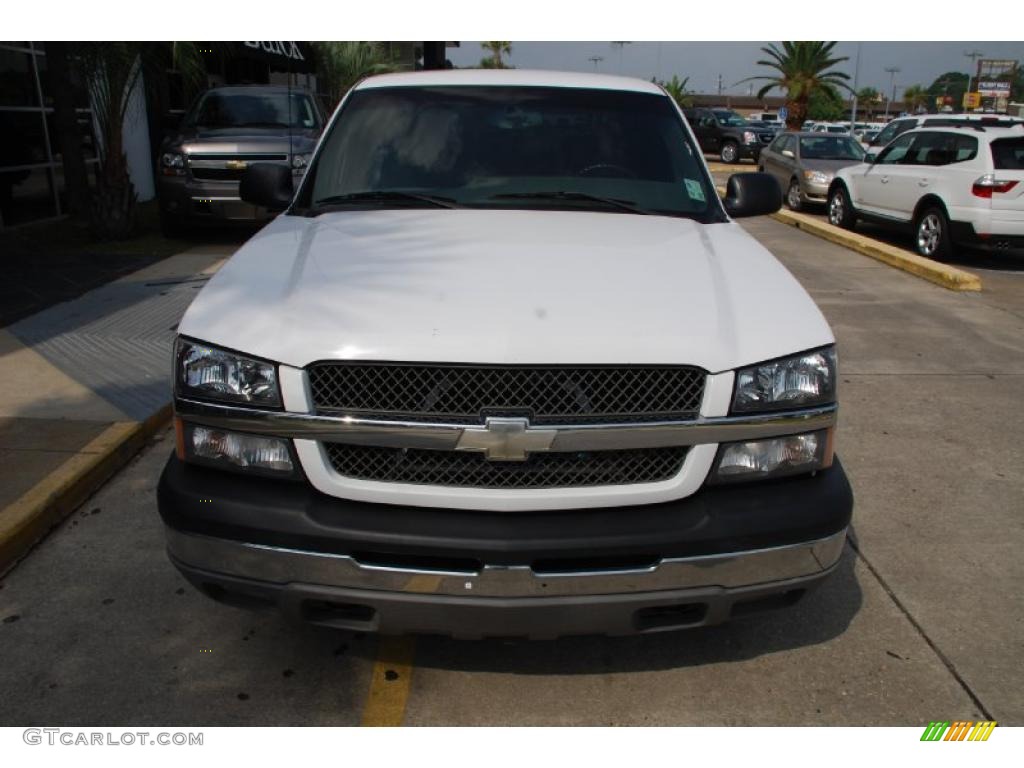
x=829, y=128
x=226, y=129
x=505, y=365
x=805, y=163
x=951, y=185
x=727, y=134
x=899, y=126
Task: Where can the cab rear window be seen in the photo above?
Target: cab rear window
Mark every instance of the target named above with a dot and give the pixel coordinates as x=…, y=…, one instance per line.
x=1008, y=154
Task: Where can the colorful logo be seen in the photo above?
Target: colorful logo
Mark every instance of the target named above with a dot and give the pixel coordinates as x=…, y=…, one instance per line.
x=960, y=730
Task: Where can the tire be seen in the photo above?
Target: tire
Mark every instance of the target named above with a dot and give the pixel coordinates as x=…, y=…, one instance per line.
x=793, y=201
x=730, y=152
x=931, y=234
x=172, y=227
x=840, y=209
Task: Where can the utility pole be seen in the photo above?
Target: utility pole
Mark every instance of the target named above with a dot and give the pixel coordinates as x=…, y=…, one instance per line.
x=621, y=45
x=719, y=84
x=892, y=88
x=973, y=56
x=856, y=74
x=597, y=60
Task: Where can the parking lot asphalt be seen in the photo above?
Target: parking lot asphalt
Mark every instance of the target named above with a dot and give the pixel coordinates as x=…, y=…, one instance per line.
x=922, y=621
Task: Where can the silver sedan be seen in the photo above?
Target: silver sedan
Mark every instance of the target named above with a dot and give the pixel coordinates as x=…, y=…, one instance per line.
x=805, y=162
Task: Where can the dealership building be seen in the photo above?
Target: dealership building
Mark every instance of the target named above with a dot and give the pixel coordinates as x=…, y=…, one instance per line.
x=31, y=167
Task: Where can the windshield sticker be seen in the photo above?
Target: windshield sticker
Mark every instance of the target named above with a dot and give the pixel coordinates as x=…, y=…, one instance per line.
x=694, y=190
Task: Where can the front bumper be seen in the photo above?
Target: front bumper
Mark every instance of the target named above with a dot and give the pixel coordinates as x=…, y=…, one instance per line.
x=197, y=200
x=374, y=567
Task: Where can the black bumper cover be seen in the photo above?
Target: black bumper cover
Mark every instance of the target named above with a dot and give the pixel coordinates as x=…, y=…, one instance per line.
x=715, y=520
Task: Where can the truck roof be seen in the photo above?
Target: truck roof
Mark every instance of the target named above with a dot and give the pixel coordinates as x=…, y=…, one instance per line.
x=499, y=77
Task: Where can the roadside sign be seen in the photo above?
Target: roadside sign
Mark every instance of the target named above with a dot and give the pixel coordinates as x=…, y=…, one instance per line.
x=783, y=114
x=972, y=100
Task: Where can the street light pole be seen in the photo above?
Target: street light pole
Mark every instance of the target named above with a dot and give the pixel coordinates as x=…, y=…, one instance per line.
x=596, y=60
x=892, y=88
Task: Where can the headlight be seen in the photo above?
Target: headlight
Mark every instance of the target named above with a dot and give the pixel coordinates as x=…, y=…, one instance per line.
x=750, y=137
x=299, y=162
x=817, y=177
x=775, y=457
x=236, y=450
x=172, y=164
x=215, y=374
x=792, y=382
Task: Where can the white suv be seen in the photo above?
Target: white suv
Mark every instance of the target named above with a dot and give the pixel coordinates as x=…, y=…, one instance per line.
x=955, y=184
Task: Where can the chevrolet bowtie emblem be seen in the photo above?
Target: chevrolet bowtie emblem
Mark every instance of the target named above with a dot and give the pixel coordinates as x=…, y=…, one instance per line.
x=506, y=439
x=236, y=165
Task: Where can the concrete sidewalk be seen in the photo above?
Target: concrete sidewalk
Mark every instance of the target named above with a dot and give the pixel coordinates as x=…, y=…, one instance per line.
x=84, y=382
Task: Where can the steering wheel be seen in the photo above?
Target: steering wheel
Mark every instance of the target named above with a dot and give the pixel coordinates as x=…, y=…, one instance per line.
x=623, y=172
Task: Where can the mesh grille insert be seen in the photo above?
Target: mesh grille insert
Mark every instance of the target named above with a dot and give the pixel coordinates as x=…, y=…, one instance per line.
x=472, y=470
x=468, y=394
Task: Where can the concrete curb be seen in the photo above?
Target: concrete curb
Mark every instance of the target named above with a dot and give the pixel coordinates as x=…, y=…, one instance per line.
x=29, y=518
x=953, y=278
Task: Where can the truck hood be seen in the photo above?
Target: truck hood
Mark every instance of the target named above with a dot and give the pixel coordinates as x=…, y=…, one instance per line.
x=510, y=286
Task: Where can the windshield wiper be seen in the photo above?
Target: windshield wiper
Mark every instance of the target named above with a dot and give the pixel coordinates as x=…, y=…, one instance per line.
x=625, y=205
x=381, y=196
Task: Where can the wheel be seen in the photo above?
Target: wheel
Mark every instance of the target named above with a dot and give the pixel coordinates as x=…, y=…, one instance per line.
x=932, y=238
x=793, y=196
x=730, y=152
x=172, y=227
x=840, y=209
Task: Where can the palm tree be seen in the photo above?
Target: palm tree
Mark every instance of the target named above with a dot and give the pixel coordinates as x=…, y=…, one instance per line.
x=340, y=65
x=111, y=71
x=497, y=48
x=915, y=98
x=803, y=69
x=677, y=89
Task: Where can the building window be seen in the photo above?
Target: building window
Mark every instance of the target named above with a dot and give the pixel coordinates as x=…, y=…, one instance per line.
x=31, y=173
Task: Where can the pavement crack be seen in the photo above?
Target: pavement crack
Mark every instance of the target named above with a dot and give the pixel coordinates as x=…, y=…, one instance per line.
x=946, y=661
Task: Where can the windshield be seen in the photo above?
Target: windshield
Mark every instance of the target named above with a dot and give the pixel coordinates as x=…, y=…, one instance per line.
x=510, y=147
x=258, y=109
x=830, y=148
x=728, y=117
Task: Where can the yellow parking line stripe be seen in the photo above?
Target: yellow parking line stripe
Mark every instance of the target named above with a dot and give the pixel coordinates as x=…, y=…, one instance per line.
x=392, y=678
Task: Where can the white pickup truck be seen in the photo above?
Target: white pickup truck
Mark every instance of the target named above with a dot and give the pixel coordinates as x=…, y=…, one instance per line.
x=505, y=365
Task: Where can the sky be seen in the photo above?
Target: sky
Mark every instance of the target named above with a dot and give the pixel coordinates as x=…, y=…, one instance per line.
x=919, y=62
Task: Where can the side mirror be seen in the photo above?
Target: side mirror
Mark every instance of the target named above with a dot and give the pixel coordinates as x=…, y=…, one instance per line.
x=752, y=194
x=788, y=153
x=870, y=157
x=268, y=185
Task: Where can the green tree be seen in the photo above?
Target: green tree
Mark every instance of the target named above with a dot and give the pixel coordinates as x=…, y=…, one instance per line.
x=497, y=49
x=868, y=95
x=677, y=89
x=340, y=65
x=916, y=98
x=952, y=84
x=801, y=70
x=826, y=105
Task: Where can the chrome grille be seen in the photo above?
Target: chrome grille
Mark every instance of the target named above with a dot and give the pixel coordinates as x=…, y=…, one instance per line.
x=470, y=393
x=472, y=470
x=213, y=167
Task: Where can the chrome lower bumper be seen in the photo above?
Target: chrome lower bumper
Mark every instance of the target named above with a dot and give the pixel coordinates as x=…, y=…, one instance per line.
x=288, y=566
